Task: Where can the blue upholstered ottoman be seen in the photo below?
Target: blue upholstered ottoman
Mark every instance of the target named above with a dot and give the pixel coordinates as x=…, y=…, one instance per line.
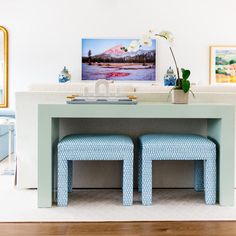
x=94, y=147
x=178, y=147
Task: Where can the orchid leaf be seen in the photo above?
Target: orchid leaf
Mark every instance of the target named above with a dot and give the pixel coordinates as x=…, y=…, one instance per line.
x=185, y=73
x=185, y=85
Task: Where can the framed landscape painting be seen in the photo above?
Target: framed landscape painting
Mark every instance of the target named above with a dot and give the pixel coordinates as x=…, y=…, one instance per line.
x=109, y=59
x=223, y=65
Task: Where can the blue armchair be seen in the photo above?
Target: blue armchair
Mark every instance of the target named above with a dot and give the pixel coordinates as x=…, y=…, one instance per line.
x=4, y=134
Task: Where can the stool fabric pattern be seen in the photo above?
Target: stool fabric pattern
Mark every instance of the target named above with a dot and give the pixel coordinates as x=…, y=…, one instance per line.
x=94, y=147
x=178, y=147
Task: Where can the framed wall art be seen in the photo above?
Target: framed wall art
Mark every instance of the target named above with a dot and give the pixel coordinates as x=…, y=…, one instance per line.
x=109, y=59
x=223, y=65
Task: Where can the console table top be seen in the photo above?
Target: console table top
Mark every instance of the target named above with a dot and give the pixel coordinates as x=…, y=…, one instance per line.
x=142, y=109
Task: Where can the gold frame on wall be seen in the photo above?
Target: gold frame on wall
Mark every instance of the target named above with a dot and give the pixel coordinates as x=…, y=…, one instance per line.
x=5, y=34
x=212, y=81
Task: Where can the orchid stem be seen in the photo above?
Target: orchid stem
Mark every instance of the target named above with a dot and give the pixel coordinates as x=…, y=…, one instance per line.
x=172, y=53
x=176, y=66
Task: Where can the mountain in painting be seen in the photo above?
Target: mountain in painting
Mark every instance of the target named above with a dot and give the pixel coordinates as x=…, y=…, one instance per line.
x=116, y=54
x=116, y=50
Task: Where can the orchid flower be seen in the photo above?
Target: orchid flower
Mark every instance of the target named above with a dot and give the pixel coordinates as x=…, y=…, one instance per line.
x=150, y=33
x=170, y=38
x=134, y=46
x=167, y=35
x=146, y=40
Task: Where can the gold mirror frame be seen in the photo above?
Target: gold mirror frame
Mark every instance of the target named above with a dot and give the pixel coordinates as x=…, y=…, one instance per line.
x=5, y=35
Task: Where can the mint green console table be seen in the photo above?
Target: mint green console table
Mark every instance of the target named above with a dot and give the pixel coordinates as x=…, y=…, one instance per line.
x=220, y=123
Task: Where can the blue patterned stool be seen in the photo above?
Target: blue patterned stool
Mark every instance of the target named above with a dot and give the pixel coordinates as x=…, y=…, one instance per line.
x=94, y=147
x=178, y=147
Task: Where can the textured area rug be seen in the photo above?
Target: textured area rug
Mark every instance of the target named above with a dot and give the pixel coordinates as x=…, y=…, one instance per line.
x=106, y=205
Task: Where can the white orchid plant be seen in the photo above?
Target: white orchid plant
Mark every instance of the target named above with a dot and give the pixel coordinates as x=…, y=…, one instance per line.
x=181, y=83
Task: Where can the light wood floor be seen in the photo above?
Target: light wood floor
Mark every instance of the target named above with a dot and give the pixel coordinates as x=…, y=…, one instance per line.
x=123, y=228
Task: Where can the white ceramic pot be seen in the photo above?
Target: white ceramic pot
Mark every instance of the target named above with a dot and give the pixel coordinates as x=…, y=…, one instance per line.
x=178, y=96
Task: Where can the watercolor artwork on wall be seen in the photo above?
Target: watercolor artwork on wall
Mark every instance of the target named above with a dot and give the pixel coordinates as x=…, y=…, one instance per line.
x=223, y=65
x=108, y=59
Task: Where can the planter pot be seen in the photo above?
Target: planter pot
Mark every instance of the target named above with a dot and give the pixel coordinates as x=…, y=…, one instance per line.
x=178, y=96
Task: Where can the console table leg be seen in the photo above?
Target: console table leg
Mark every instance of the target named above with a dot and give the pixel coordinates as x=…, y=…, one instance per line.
x=222, y=131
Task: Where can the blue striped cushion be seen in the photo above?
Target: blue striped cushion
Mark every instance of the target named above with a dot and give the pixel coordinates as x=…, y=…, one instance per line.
x=96, y=142
x=177, y=146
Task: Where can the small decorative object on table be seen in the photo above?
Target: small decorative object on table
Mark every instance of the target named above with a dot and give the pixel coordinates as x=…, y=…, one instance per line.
x=126, y=100
x=64, y=76
x=99, y=83
x=181, y=90
x=170, y=77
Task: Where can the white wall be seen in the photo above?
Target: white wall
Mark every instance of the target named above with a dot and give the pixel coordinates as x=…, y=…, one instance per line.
x=45, y=35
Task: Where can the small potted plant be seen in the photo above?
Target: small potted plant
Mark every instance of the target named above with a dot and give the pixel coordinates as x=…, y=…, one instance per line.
x=181, y=91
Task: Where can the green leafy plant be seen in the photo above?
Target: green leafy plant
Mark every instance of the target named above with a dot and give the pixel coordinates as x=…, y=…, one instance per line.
x=183, y=83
